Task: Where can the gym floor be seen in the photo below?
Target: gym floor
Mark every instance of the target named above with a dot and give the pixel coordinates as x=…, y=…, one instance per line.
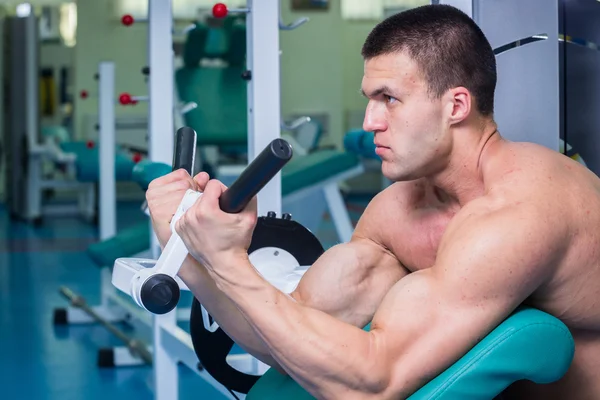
x=40, y=361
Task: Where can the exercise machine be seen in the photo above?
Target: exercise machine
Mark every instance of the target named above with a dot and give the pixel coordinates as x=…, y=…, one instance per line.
x=114, y=308
x=222, y=121
x=27, y=152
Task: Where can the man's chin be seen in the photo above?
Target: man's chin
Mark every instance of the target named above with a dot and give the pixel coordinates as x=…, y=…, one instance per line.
x=395, y=175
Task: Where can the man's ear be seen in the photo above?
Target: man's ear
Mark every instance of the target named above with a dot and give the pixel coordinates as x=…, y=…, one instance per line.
x=461, y=103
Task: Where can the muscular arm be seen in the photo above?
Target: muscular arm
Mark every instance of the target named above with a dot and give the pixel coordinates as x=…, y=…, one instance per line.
x=347, y=282
x=488, y=263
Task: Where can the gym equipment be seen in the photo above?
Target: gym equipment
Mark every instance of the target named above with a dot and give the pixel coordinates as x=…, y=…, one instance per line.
x=114, y=307
x=33, y=148
x=154, y=285
x=529, y=344
x=172, y=345
x=136, y=348
x=221, y=120
x=281, y=249
x=26, y=150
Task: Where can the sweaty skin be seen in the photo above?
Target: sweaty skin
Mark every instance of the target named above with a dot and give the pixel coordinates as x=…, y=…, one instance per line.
x=473, y=227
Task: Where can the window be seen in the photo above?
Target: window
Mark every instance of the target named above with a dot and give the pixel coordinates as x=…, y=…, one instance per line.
x=68, y=23
x=377, y=9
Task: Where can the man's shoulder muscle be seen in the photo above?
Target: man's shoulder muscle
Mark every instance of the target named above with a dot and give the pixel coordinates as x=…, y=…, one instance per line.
x=389, y=210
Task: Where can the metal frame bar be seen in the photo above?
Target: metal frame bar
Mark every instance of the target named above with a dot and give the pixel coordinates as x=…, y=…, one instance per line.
x=106, y=143
x=264, y=97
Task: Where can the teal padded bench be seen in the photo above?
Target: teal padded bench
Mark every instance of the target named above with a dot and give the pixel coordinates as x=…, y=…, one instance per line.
x=361, y=143
x=221, y=116
x=529, y=345
x=127, y=243
x=301, y=172
x=87, y=162
x=146, y=171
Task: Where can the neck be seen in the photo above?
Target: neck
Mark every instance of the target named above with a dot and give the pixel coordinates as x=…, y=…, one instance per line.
x=461, y=180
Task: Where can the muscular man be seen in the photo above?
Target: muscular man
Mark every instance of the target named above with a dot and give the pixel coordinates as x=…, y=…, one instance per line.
x=473, y=227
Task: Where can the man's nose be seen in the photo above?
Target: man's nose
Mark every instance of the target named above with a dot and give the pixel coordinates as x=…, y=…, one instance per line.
x=374, y=118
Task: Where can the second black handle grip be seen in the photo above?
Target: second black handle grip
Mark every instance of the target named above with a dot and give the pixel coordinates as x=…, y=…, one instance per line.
x=256, y=175
x=185, y=150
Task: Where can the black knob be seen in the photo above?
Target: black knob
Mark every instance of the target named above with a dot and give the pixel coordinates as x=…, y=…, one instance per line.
x=146, y=70
x=271, y=214
x=160, y=294
x=96, y=76
x=287, y=216
x=97, y=127
x=247, y=75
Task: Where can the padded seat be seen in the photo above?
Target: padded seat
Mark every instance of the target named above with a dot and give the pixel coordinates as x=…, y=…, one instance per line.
x=530, y=345
x=305, y=171
x=127, y=243
x=87, y=162
x=221, y=116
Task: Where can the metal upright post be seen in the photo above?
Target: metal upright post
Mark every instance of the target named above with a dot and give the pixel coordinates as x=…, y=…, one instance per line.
x=106, y=143
x=264, y=99
x=107, y=185
x=160, y=88
x=161, y=143
x=34, y=175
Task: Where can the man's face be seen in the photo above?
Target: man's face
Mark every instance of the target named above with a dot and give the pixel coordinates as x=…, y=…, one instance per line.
x=411, y=137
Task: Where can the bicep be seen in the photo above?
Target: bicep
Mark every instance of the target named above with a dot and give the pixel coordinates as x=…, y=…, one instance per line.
x=349, y=281
x=418, y=331
x=484, y=270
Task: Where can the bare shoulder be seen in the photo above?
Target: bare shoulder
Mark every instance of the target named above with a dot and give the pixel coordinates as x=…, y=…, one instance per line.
x=388, y=209
x=525, y=193
x=530, y=168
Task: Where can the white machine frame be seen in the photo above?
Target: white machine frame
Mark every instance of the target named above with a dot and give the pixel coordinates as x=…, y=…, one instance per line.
x=173, y=345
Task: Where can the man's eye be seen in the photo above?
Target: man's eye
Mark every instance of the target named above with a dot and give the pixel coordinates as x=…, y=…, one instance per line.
x=390, y=99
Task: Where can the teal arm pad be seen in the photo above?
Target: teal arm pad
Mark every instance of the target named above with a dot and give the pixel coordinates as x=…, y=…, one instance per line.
x=530, y=345
x=361, y=143
x=146, y=171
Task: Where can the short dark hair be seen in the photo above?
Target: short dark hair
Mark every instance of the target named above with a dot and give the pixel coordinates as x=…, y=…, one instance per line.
x=447, y=45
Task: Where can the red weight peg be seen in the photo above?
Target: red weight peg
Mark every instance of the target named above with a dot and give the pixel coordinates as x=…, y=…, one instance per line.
x=219, y=10
x=90, y=144
x=127, y=20
x=137, y=157
x=125, y=99
x=84, y=94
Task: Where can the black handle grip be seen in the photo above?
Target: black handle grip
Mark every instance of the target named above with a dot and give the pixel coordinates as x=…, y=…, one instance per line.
x=256, y=175
x=185, y=150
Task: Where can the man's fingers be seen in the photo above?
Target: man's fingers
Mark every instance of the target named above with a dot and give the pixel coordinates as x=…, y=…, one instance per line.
x=201, y=180
x=213, y=190
x=173, y=186
x=173, y=176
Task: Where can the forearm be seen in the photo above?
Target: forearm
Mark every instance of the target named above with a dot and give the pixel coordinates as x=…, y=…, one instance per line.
x=223, y=310
x=329, y=358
